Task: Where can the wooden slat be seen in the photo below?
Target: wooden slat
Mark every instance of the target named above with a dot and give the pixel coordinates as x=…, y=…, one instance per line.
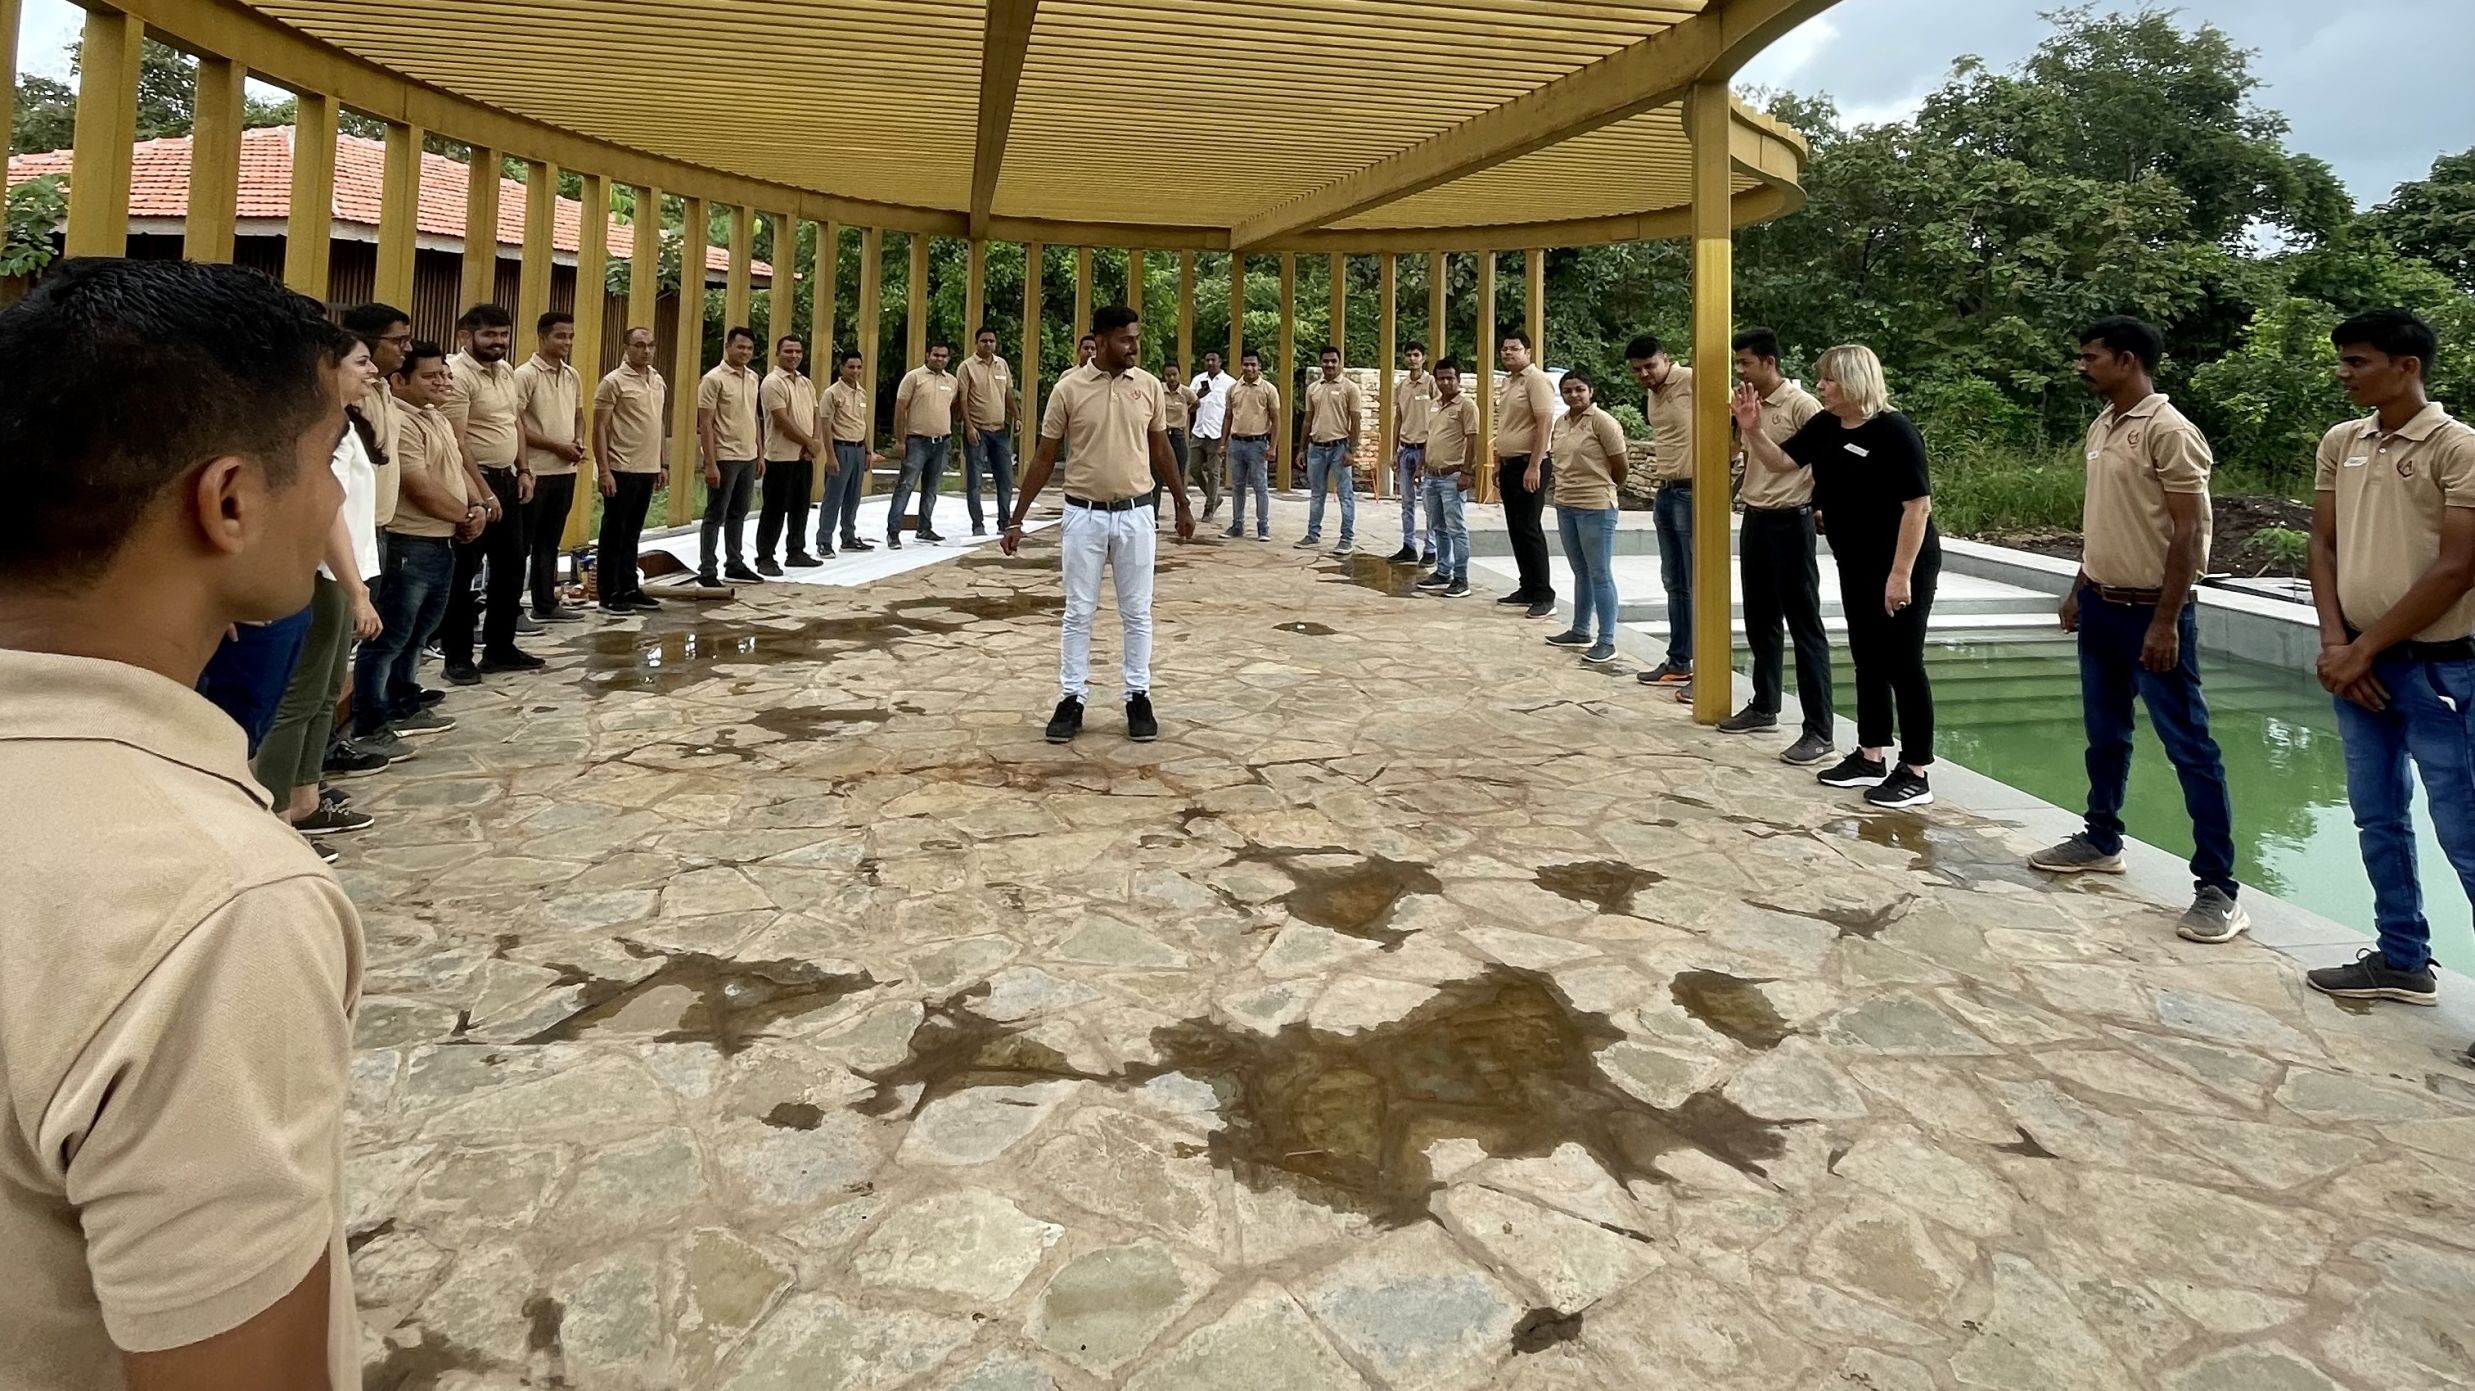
x=687, y=359
x=1290, y=398
x=107, y=81
x=915, y=297
x=1483, y=349
x=309, y=226
x=1713, y=269
x=1387, y=354
x=541, y=201
x=481, y=227
x=399, y=207
x=214, y=156
x=592, y=301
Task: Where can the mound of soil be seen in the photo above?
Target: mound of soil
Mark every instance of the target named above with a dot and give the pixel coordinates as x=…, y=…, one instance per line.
x=2239, y=547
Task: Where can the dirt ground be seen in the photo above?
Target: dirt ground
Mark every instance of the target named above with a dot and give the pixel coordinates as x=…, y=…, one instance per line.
x=2238, y=547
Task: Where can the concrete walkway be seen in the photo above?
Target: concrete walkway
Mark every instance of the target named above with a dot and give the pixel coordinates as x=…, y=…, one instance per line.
x=756, y=1001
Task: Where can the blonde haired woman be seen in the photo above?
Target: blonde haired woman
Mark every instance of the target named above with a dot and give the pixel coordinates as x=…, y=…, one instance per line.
x=1871, y=497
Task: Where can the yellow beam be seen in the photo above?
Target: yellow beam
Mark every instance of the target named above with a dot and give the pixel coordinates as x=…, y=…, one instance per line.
x=1082, y=291
x=309, y=227
x=592, y=294
x=1483, y=352
x=1186, y=311
x=399, y=207
x=687, y=350
x=1639, y=77
x=824, y=344
x=1438, y=337
x=1290, y=399
x=1534, y=301
x=541, y=202
x=644, y=265
x=107, y=82
x=915, y=298
x=975, y=294
x=782, y=299
x=480, y=227
x=1134, y=290
x=214, y=154
x=871, y=311
x=1030, y=365
x=10, y=13
x=1337, y=318
x=1387, y=352
x=735, y=285
x=1237, y=312
x=1004, y=40
x=1713, y=269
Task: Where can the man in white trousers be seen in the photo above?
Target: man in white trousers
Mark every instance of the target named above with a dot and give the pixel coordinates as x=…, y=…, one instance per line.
x=1110, y=418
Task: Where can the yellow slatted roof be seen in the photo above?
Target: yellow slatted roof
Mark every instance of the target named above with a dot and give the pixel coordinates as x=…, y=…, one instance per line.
x=1264, y=124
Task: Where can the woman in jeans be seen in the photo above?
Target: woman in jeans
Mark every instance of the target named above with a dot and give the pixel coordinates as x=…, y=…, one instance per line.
x=1588, y=448
x=1871, y=498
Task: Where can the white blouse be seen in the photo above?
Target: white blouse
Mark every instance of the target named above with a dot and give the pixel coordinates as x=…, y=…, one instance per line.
x=359, y=476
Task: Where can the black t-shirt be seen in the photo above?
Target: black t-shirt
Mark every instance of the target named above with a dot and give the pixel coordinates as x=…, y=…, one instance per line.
x=1862, y=480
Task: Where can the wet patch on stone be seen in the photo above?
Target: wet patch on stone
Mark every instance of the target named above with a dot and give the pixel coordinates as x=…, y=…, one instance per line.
x=795, y=1115
x=660, y=658
x=1960, y=856
x=1310, y=630
x=1376, y=573
x=1608, y=885
x=1541, y=1329
x=1730, y=1005
x=695, y=998
x=812, y=722
x=423, y=1365
x=1356, y=900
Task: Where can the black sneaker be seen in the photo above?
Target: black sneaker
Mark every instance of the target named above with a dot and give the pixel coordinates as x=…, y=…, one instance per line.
x=2369, y=977
x=1748, y=721
x=1234, y=534
x=741, y=573
x=1600, y=654
x=424, y=697
x=768, y=569
x=1404, y=556
x=853, y=543
x=642, y=602
x=978, y=530
x=708, y=579
x=1542, y=608
x=931, y=537
x=1855, y=770
x=1426, y=558
x=1460, y=589
x=333, y=796
x=1434, y=582
x=329, y=821
x=327, y=854
x=801, y=560
x=892, y=542
x=1666, y=674
x=1141, y=725
x=350, y=762
x=558, y=613
x=1568, y=638
x=1901, y=789
x=513, y=659
x=619, y=607
x=461, y=674
x=1068, y=721
x=1516, y=597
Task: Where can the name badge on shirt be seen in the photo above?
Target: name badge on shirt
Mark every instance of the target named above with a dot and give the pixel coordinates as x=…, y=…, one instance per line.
x=2358, y=461
x=1859, y=451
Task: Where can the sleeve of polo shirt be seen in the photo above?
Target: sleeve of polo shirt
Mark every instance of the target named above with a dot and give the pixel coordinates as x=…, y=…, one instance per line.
x=203, y=1120
x=2453, y=465
x=605, y=394
x=2325, y=463
x=2181, y=459
x=1160, y=412
x=1610, y=435
x=708, y=393
x=1802, y=410
x=1542, y=398
x=1053, y=420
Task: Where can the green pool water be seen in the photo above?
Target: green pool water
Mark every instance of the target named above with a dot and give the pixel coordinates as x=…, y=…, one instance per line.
x=2010, y=709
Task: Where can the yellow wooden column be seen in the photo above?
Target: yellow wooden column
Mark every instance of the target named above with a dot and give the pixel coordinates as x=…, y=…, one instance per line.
x=1082, y=292
x=541, y=204
x=871, y=311
x=107, y=82
x=480, y=227
x=1387, y=349
x=1706, y=125
x=824, y=350
x=1029, y=367
x=736, y=291
x=687, y=359
x=309, y=227
x=644, y=265
x=1338, y=316
x=592, y=298
x=399, y=210
x=1237, y=312
x=1485, y=352
x=214, y=154
x=975, y=295
x=1290, y=398
x=1534, y=301
x=1134, y=284
x=10, y=13
x=1186, y=313
x=782, y=296
x=1438, y=338
x=916, y=298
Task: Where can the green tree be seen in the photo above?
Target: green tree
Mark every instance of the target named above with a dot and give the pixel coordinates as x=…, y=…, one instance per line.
x=2433, y=217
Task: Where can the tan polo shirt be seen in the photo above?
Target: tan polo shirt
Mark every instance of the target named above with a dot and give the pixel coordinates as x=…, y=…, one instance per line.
x=985, y=388
x=1180, y=399
x=2391, y=491
x=178, y=979
x=486, y=406
x=1332, y=409
x=1253, y=407
x=1413, y=402
x=795, y=394
x=1588, y=446
x=547, y=397
x=2134, y=460
x=1105, y=423
x=730, y=393
x=426, y=445
x=637, y=402
x=1452, y=435
x=1522, y=417
x=1784, y=412
x=924, y=404
x=386, y=418
x=1671, y=426
x=846, y=412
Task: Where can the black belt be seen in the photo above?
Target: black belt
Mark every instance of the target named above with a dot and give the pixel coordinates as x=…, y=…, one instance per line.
x=1251, y=439
x=1123, y=504
x=2455, y=650
x=1680, y=484
x=1798, y=510
x=2135, y=598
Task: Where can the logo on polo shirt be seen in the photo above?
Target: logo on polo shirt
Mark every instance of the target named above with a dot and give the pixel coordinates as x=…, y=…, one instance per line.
x=2406, y=466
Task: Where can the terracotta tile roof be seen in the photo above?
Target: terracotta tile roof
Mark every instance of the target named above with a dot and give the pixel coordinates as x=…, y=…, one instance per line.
x=159, y=188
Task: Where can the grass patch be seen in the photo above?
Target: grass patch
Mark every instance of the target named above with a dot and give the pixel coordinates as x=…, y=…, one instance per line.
x=1982, y=489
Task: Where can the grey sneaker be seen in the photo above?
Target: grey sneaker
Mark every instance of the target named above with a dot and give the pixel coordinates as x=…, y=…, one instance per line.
x=385, y=743
x=1808, y=751
x=1345, y=548
x=2212, y=917
x=2368, y=977
x=527, y=624
x=415, y=726
x=1306, y=543
x=1749, y=721
x=2080, y=855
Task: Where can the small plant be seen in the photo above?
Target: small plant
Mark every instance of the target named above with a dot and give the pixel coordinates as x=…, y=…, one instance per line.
x=2286, y=548
x=35, y=211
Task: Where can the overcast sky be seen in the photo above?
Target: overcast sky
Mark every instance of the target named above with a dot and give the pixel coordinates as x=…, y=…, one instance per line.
x=2379, y=88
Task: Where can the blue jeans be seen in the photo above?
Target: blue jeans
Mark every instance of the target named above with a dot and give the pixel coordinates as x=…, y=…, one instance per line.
x=840, y=509
x=923, y=465
x=1673, y=512
x=249, y=671
x=1250, y=468
x=1327, y=465
x=995, y=454
x=2430, y=719
x=412, y=598
x=2110, y=673
x=1406, y=464
x=1590, y=548
x=1450, y=524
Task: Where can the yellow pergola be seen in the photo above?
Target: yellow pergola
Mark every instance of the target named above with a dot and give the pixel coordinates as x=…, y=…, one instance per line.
x=1282, y=128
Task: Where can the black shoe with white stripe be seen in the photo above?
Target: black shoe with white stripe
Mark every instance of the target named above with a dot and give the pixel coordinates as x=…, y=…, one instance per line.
x=1901, y=789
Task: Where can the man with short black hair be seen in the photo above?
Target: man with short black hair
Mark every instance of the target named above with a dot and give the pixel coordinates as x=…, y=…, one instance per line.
x=1208, y=463
x=1333, y=407
x=986, y=386
x=789, y=401
x=1667, y=399
x=1254, y=404
x=2144, y=537
x=726, y=433
x=1180, y=400
x=2393, y=577
x=488, y=420
x=178, y=973
x=843, y=410
x=1112, y=411
x=550, y=403
x=437, y=507
x=632, y=449
x=1413, y=406
x=1450, y=468
x=1523, y=431
x=924, y=422
x=1777, y=556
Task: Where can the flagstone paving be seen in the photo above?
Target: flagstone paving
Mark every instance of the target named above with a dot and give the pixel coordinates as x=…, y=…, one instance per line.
x=756, y=1001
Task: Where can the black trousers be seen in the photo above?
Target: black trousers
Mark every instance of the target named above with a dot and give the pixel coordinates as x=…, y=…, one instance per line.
x=545, y=532
x=1783, y=590
x=786, y=505
x=1889, y=653
x=623, y=531
x=726, y=512
x=501, y=544
x=1522, y=507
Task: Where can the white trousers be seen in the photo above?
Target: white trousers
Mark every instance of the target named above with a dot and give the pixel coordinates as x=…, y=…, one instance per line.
x=1125, y=542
